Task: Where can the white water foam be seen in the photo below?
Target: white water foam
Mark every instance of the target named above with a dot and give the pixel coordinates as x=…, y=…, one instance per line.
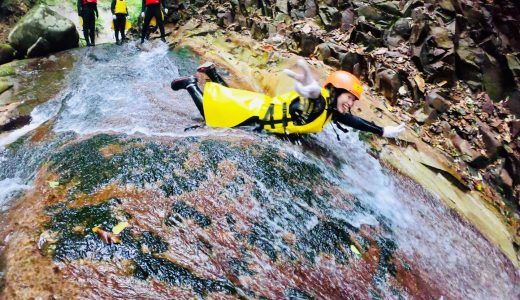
x=8, y=189
x=449, y=251
x=129, y=94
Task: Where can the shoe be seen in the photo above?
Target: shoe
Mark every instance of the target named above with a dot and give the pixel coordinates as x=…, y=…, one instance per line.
x=183, y=82
x=204, y=68
x=210, y=70
x=89, y=44
x=163, y=39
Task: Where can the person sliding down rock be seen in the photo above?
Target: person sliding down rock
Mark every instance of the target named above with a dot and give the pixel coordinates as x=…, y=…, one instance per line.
x=306, y=110
x=87, y=9
x=150, y=9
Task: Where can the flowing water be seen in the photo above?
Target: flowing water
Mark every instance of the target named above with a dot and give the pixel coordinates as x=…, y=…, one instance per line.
x=230, y=212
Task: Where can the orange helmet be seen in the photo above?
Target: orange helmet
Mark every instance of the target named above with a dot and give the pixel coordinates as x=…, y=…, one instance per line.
x=345, y=80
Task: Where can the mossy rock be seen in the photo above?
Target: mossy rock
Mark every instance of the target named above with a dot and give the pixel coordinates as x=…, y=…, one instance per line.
x=41, y=22
x=7, y=53
x=4, y=86
x=7, y=70
x=289, y=192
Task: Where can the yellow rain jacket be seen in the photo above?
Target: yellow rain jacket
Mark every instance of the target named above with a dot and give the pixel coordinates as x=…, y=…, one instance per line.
x=128, y=25
x=227, y=107
x=120, y=7
x=153, y=21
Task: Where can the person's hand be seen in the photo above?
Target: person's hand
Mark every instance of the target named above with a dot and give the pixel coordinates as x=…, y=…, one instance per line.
x=305, y=83
x=142, y=14
x=113, y=17
x=165, y=11
x=393, y=131
x=127, y=17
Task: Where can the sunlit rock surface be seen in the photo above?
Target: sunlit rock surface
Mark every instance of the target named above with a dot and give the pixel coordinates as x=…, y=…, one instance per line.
x=214, y=213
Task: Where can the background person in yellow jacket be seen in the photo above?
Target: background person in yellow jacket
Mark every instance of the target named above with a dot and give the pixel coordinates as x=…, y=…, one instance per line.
x=306, y=110
x=87, y=9
x=150, y=9
x=119, y=16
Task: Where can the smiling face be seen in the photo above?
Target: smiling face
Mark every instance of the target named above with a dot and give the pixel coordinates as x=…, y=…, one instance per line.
x=345, y=101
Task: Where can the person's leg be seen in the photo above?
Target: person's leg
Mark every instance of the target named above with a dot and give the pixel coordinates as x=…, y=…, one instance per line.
x=123, y=28
x=92, y=28
x=116, y=30
x=146, y=23
x=211, y=71
x=120, y=26
x=160, y=23
x=85, y=16
x=190, y=84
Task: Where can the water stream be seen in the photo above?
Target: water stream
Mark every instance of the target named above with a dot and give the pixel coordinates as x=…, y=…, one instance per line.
x=294, y=238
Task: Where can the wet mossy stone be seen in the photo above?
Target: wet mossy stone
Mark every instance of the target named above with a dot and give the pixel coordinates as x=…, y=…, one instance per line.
x=154, y=242
x=42, y=22
x=7, y=70
x=7, y=53
x=182, y=210
x=262, y=238
x=4, y=86
x=147, y=265
x=296, y=294
x=240, y=268
x=147, y=165
x=88, y=216
x=83, y=162
x=387, y=249
x=326, y=237
x=74, y=245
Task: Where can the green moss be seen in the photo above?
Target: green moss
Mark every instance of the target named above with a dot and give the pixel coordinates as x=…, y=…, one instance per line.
x=88, y=217
x=4, y=86
x=7, y=70
x=147, y=265
x=296, y=294
x=154, y=242
x=74, y=245
x=182, y=210
x=326, y=237
x=387, y=248
x=17, y=145
x=282, y=184
x=260, y=237
x=83, y=162
x=240, y=268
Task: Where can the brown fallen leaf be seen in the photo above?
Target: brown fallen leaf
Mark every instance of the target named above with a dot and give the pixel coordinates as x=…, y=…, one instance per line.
x=107, y=237
x=420, y=82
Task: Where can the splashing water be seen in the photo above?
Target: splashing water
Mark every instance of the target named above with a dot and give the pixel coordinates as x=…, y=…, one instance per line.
x=121, y=90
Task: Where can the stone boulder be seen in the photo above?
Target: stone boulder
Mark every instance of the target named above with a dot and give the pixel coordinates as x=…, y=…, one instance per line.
x=45, y=30
x=7, y=53
x=15, y=7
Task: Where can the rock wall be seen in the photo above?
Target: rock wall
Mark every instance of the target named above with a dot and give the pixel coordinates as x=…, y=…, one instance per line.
x=450, y=68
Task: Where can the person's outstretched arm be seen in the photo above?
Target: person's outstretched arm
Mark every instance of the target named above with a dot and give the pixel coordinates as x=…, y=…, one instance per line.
x=97, y=12
x=362, y=124
x=358, y=123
